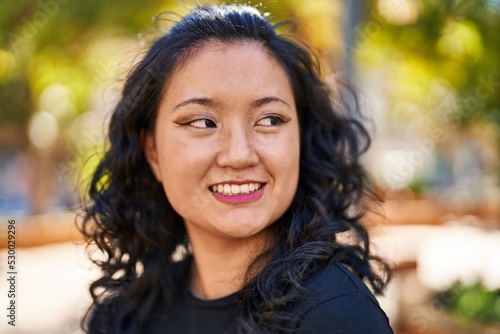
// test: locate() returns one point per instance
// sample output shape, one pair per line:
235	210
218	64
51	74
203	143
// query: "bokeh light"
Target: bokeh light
43	130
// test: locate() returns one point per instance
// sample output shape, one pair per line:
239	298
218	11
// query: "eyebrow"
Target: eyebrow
266	100
212	103
197	100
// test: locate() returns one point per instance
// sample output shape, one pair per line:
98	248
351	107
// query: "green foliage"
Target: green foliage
472	302
454	40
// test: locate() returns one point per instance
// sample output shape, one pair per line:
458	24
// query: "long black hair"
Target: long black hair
129	218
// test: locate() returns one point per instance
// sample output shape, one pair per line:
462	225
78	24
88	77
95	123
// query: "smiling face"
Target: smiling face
226	141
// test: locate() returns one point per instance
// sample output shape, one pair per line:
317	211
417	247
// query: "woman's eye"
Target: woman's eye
202	123
270	121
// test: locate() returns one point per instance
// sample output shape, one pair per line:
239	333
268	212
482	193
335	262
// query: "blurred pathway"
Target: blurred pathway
52	289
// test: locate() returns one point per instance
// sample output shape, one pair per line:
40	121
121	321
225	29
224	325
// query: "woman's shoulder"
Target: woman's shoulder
339	301
334	281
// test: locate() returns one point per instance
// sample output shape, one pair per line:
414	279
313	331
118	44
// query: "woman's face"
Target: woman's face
226	141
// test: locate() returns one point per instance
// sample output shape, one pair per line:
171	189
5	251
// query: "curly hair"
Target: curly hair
130	220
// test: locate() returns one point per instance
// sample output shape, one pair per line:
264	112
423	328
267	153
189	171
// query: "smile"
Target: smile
231	193
236	189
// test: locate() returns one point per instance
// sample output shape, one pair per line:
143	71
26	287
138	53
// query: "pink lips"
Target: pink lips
241	198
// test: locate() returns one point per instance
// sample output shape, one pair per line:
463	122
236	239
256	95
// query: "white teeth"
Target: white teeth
235	189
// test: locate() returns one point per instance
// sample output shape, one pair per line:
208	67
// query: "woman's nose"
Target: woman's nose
238	150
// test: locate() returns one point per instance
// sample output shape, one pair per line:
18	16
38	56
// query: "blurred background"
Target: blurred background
428	73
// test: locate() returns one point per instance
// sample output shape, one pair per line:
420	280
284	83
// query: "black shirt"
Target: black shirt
339	303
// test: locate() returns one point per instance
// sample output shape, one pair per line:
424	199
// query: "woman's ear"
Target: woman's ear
149	147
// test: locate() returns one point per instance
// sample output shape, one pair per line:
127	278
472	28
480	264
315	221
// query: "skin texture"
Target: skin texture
227	116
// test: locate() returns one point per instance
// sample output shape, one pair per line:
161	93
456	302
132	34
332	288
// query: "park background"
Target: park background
428	74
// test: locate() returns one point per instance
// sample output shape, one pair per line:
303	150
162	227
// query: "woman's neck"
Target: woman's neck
220	266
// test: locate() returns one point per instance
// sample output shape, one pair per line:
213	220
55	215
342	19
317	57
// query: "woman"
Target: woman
230	198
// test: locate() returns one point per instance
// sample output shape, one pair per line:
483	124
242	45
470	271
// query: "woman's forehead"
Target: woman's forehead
214	45
226	59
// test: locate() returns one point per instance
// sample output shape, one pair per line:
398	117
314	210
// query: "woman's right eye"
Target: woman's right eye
202	123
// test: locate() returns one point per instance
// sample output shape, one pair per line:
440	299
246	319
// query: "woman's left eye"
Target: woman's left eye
270	121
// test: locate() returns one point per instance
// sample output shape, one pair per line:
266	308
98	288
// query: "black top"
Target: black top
339	303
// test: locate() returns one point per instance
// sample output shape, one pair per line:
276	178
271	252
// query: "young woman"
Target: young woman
230	198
